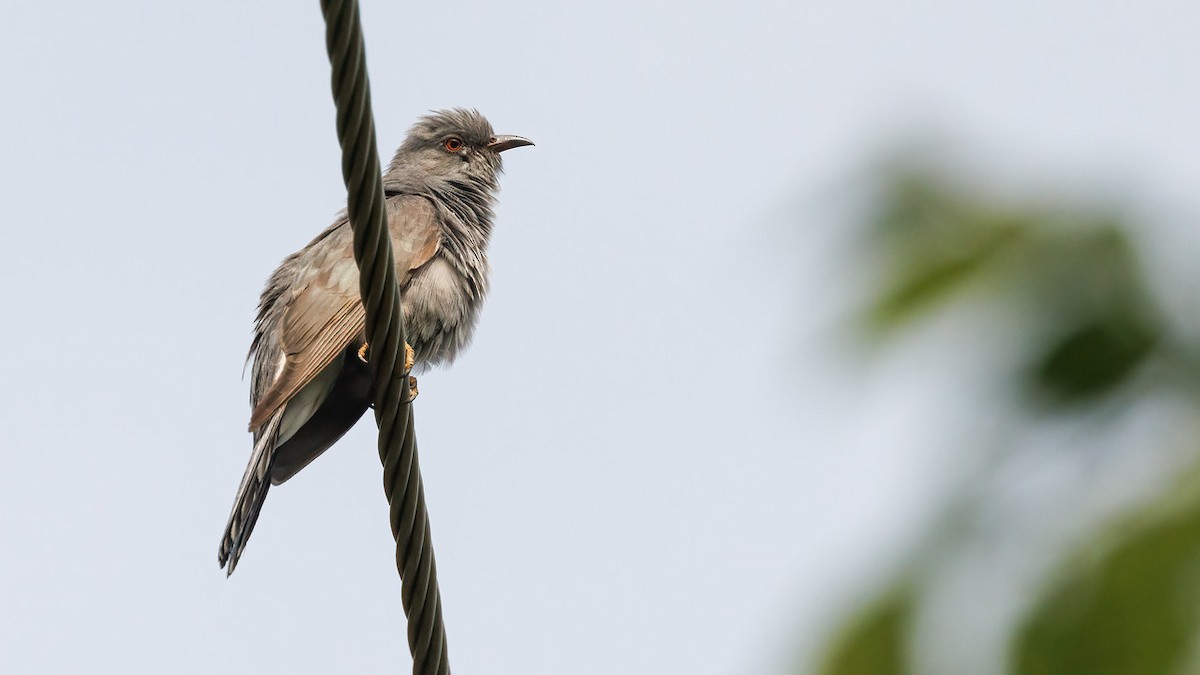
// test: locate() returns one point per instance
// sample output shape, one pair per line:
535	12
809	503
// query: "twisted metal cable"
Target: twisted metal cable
385	333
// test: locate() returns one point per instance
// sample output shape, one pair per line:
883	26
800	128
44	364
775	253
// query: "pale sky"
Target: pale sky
640	466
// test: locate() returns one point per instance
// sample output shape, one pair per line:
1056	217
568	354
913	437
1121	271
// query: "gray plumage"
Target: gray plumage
308	385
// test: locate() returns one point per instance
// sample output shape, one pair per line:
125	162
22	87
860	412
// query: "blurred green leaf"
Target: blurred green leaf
1133	612
1072	273
933	277
1100	320
1094	358
1080	268
934	239
877	642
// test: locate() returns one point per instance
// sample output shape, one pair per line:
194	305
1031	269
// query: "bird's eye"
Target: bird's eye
453	144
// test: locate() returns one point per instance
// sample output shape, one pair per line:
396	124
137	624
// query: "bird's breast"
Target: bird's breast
441	307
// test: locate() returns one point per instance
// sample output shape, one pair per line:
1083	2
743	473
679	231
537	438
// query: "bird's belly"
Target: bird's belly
440	311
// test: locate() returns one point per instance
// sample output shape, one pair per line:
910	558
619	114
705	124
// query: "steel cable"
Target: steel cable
385	333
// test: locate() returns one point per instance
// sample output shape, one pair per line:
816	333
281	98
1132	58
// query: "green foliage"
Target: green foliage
934	241
1086	322
1074	275
876	643
1134	612
1093	358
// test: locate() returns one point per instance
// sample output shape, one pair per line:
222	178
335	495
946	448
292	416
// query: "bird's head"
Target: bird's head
456	145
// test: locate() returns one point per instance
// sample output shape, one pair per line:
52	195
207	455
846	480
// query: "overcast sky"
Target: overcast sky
637	467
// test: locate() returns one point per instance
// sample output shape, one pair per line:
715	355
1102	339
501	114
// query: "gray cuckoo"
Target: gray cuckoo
310	381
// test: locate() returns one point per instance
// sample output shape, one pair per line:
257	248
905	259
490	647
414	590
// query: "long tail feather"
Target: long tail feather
250	495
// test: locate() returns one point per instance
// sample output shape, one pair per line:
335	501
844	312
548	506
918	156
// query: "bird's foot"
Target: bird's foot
410	358
409	361
409	355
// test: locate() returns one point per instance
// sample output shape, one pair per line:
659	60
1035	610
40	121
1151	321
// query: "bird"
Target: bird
310	380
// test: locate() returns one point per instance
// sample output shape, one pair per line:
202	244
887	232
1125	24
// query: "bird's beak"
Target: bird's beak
502	143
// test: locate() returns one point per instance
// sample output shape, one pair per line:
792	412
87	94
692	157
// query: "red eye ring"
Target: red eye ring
452	144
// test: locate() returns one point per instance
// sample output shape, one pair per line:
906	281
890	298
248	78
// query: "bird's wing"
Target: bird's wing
326	314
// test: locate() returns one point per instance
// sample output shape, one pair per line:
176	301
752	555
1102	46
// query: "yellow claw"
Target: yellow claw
409	361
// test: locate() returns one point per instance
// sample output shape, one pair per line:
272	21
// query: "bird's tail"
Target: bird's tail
250	495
